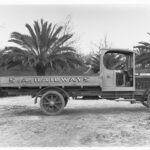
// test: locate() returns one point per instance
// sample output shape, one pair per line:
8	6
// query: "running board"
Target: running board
132	101
122	99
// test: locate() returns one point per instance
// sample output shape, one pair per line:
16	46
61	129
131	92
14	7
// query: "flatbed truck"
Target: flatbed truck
110	83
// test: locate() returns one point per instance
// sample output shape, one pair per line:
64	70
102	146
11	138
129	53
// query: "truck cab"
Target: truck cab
117	70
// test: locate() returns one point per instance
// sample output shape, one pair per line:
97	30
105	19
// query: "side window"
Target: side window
114	61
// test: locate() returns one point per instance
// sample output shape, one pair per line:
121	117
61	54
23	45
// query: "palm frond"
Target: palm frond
57	31
62	40
32	35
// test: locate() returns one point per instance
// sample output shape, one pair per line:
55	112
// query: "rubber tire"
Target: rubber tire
66	101
61	98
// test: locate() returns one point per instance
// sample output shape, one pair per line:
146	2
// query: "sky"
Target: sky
124	25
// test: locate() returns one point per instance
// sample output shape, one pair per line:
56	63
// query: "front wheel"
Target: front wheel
52	103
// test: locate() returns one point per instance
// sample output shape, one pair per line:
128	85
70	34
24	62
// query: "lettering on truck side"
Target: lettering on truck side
38	80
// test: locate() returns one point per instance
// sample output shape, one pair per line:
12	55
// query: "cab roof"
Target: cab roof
119	50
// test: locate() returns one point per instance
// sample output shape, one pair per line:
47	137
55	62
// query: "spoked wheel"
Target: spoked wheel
52	103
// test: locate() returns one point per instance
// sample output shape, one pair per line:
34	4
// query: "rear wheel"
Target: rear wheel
66	101
52	103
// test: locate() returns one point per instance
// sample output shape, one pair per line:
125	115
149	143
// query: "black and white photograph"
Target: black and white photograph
75	75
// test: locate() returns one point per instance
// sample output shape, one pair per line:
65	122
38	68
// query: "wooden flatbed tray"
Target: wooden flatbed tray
39	81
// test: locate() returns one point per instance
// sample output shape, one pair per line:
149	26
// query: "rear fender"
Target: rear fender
42	91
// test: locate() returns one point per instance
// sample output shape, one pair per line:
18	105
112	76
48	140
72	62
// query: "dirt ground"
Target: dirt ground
83	123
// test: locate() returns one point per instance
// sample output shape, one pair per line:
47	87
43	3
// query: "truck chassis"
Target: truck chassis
54	98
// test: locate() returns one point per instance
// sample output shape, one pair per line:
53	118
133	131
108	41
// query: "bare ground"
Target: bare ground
83	123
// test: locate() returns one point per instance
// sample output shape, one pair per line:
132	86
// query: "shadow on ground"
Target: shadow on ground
24	111
108	110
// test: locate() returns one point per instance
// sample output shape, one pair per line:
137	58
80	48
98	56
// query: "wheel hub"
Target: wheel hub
52	103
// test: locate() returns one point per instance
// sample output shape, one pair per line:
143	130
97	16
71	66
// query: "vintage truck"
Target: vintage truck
116	83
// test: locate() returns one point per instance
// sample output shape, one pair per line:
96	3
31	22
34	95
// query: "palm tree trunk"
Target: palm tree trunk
40	70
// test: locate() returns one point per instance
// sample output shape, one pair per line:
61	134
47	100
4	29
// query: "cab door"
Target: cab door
108	79
111	67
108	76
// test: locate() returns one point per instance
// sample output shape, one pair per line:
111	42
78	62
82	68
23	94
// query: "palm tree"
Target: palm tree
143	58
46	47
